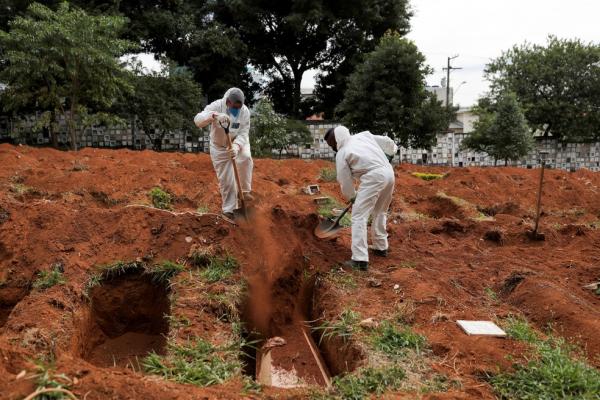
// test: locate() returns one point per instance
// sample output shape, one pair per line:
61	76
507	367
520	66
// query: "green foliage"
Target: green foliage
341	279
286	39
558	85
219	268
343	327
394	342
46	378
427	176
552	373
47	279
328	174
163	271
503	133
386	95
163	101
64	61
160	198
369	381
491	294
326	210
271	131
198	363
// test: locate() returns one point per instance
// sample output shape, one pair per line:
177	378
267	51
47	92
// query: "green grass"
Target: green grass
368	381
408	264
392	341
219	268
21	189
427	176
328	174
163	271
491	294
198	363
554	371
341	279
47	279
343	327
46	378
326	210
160	198
202	209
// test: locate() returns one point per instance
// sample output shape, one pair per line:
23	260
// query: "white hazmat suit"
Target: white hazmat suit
239	131
362	157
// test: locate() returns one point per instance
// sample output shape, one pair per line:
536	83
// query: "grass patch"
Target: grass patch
198	363
328	174
491	294
202	209
427	176
392	341
219	268
404	312
21	189
343	327
341	279
46	378
160	198
163	271
47	279
554	371
369	381
408	264
326	210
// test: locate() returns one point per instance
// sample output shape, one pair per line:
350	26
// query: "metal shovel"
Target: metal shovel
328	228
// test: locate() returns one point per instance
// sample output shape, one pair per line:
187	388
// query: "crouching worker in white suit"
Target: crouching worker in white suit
365	157
230	109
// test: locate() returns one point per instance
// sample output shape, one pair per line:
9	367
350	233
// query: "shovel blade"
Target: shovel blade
327	229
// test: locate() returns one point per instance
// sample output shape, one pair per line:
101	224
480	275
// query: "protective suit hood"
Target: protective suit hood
342	136
238	95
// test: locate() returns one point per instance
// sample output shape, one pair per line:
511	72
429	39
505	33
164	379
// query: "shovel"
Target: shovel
236	173
328	228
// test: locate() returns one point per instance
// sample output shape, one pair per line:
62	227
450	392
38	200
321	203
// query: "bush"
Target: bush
393	342
160	198
47	279
427	176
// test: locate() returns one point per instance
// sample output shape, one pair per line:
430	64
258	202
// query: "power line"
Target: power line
449	69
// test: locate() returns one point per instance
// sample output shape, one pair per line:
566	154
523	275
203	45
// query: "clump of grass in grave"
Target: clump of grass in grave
427	176
46	379
438	383
163	271
557	226
178	321
47	279
408	264
491	294
365	382
404	312
480	217
160	198
118	268
328	174
21	189
414	216
250	386
555	370
198	363
456	200
341	279
343	327
228	303
390	340
326	211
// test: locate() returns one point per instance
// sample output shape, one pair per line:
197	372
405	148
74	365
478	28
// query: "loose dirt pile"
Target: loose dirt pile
458	251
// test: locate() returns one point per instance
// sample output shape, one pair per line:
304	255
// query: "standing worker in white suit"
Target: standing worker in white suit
365	157
230	109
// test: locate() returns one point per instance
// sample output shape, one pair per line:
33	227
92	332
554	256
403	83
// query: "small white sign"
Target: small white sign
484	328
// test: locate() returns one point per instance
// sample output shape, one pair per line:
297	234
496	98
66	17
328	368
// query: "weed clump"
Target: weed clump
552	373
214	267
394	342
199	363
427	176
369	381
47	279
326	210
343	327
328	174
160	198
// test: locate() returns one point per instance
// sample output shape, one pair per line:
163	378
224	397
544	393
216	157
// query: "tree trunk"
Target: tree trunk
53	133
506	162
495	162
72	134
297	93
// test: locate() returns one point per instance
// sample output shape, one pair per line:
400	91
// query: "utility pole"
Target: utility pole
449	69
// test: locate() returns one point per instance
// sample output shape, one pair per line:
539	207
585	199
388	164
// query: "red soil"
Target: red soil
77	212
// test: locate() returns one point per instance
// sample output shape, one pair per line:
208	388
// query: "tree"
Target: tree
272	131
287	38
163	101
386	95
557	84
66	62
501	131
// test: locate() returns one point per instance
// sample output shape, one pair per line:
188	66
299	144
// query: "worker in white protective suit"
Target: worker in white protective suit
230	109
365	157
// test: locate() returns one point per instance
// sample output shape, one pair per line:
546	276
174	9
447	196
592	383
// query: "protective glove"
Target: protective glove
222	119
234	151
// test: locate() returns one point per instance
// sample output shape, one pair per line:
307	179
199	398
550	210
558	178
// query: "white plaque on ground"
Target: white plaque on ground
483	328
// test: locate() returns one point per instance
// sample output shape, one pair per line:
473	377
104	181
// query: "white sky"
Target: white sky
478	30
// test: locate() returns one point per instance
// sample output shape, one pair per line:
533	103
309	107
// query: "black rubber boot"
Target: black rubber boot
380	253
360	265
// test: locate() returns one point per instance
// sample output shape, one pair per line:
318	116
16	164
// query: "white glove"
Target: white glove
234	151
222	119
